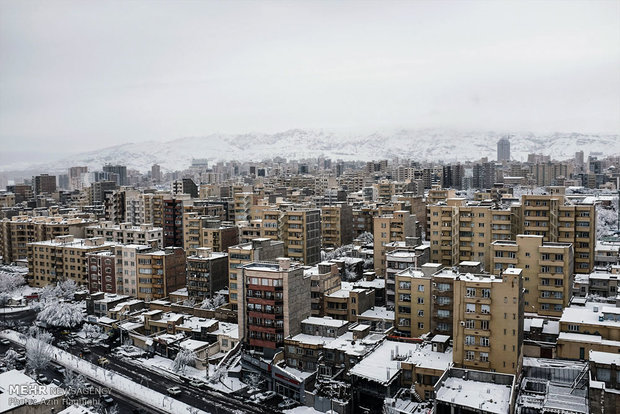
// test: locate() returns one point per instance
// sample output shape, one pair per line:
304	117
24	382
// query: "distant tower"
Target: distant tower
503	149
156	173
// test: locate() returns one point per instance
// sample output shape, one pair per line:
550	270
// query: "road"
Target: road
202	398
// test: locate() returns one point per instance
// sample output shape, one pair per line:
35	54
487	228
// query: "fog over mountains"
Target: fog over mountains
430	144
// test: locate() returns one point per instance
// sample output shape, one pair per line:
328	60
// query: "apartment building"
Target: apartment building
363	219
553	218
16	233
126	233
547	271
44	184
300	231
488	307
586	327
126	267
324	280
348	304
101	272
274	299
391	228
206	231
461	231
398	259
160	272
62	258
243	202
412	310
336	225
258	250
207	273
164	210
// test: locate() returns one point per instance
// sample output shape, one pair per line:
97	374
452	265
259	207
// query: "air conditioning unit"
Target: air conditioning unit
434	284
462	323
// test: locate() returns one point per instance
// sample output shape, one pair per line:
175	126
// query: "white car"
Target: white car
173	390
287	403
196	383
264	396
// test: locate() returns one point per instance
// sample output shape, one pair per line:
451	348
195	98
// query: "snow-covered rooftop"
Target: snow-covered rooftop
478	395
606	358
311	339
193	344
378	312
325	321
383	364
9	400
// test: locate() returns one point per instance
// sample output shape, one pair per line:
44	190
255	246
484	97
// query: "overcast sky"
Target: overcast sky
89	74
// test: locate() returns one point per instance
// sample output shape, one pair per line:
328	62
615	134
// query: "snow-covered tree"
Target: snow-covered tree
61	314
38	350
365	237
10	281
61	291
189	302
254	380
184	358
92	331
10	359
74	381
213	303
606	221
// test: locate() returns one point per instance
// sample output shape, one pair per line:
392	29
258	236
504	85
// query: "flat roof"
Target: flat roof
478	395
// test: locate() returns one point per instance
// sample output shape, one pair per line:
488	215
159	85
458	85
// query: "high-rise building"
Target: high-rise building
156	173
101	271
207	273
76	177
503	149
206	231
391	228
44	184
257	250
120	171
337	225
273	300
488	308
185	186
547	271
126	233
300	231
160	272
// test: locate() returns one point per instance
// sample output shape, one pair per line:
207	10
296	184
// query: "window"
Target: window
469	355
420	325
470	308
471	292
573	328
420	288
486	293
420	300
470	340
485	309
484	341
484	325
484	357
470	324
420	313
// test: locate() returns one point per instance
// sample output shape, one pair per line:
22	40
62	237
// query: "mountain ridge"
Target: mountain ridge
423	144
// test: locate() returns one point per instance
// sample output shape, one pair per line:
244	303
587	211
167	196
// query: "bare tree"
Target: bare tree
184	358
38	350
213	303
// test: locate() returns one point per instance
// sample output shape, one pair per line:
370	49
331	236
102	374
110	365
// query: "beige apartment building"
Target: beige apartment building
126	267
547	271
258	250
16	233
301	233
413	311
390	228
126	233
488	308
348	304
63	258
336	225
160	272
206	231
553	218
243	202
461	231
274	298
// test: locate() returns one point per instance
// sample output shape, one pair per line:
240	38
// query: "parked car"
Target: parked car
5	342
174	390
107	399
42	378
265	396
103	361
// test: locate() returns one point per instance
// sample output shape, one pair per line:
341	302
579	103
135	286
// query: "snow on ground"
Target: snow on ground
114	381
302	410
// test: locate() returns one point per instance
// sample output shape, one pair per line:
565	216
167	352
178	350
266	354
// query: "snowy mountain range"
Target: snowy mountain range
299	144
